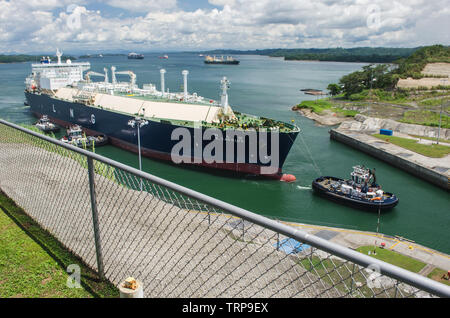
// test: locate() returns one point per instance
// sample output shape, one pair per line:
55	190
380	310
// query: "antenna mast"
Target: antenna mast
58	55
225	85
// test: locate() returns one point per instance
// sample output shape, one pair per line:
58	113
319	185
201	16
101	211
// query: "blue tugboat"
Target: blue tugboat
361	191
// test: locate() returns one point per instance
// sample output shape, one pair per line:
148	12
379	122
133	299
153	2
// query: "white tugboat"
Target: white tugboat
45	125
77	137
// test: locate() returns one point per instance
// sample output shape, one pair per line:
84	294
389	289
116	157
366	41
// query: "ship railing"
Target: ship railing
124	222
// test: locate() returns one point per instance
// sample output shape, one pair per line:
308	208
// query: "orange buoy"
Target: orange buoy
288	177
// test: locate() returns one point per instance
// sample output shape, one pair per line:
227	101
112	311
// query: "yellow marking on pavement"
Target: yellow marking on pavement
319	227
414	246
394	245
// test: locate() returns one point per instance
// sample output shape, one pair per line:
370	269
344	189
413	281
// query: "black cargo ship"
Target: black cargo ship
220	60
110	114
135	56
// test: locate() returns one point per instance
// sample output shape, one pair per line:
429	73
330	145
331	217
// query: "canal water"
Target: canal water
270	87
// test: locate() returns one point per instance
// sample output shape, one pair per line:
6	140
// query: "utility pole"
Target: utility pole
440	114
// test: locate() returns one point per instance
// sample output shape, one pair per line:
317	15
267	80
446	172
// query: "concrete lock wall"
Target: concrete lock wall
418	170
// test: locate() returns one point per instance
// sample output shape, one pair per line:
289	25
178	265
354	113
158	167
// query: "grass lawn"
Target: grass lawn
436	274
426	118
33	263
430	138
317	106
434	102
433	151
320	105
393	258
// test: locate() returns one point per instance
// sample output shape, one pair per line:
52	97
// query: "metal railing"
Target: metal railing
179	242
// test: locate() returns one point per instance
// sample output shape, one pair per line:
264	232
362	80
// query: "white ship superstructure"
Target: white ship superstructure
52	76
65	80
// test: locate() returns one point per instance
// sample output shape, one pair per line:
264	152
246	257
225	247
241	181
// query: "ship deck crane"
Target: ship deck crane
129	73
88	75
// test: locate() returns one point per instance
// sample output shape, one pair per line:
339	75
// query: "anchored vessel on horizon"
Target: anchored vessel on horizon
135	56
220	60
60	91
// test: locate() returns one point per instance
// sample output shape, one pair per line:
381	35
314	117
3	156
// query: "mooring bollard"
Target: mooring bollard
131	288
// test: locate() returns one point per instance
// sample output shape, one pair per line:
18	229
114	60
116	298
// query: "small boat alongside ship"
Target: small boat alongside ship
45	125
361	191
75	136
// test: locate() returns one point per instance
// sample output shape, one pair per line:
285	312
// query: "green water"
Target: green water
269	87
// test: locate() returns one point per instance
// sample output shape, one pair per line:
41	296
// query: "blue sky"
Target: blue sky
85	26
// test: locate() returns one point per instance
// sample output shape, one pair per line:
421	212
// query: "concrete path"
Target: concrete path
354	239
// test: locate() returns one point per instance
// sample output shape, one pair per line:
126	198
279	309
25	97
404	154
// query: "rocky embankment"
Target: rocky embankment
363	123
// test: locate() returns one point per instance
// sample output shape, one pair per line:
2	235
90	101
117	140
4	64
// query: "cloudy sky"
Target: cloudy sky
77	26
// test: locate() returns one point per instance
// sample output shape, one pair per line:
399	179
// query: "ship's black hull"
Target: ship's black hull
156	141
357	203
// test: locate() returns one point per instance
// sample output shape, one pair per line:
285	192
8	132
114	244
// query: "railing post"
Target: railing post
98	248
351	280
396	289
278	238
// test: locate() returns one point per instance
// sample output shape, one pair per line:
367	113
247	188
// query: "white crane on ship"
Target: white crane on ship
88	75
129	73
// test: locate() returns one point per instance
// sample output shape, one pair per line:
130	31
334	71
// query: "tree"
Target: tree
371	76
334	89
353	83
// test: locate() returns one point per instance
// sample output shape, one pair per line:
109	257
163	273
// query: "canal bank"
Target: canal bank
355	239
434	170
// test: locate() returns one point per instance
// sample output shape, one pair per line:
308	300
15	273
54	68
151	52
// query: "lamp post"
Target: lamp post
138	122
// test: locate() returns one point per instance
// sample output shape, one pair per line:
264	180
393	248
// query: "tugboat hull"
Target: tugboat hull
49	130
349	200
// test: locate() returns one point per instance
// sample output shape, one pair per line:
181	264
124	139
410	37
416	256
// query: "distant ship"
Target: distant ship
164	56
135	56
220	60
112	108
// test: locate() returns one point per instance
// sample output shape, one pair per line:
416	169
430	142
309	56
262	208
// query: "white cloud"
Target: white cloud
222	2
242	24
143	5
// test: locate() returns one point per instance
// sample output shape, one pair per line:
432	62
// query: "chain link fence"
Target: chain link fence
122	222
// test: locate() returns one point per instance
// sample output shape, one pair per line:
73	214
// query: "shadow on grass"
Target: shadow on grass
90	280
